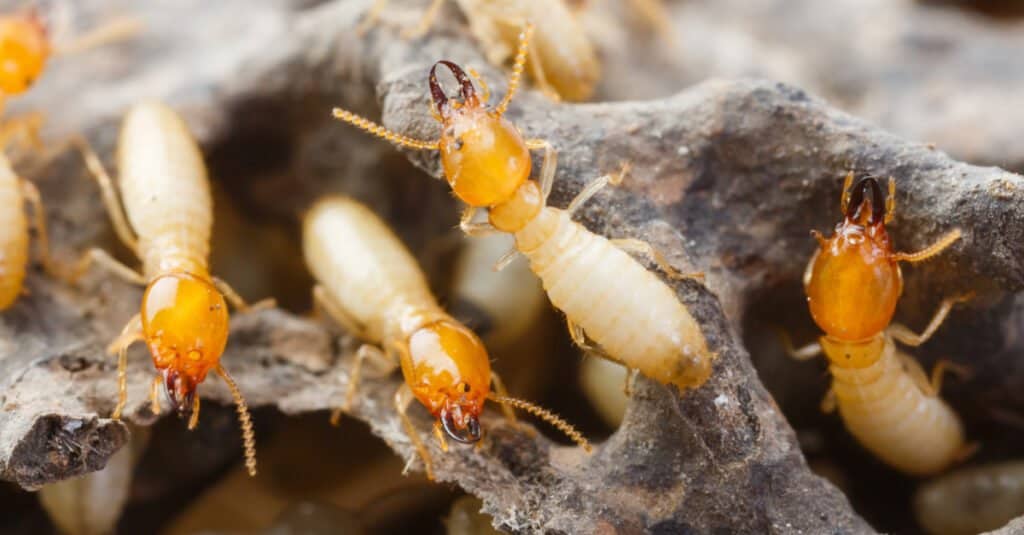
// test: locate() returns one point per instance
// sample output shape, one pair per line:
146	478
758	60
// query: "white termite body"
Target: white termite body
971	500
14	237
165	191
633	316
890	415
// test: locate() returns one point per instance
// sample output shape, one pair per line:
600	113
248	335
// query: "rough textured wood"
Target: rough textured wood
728	177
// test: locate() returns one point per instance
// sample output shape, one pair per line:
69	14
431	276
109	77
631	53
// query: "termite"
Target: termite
24	51
971	500
370	284
606	295
563	65
164	216
884	397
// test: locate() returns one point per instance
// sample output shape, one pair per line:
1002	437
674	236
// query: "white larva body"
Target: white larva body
363	265
14	236
165	191
885	409
971	500
563	50
626	309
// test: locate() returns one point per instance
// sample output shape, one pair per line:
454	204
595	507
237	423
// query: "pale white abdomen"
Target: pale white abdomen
364	267
634	316
165	190
889	415
13	235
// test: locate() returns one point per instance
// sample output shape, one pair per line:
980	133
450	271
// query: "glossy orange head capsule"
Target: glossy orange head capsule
854	281
185	325
24	49
484	157
450	373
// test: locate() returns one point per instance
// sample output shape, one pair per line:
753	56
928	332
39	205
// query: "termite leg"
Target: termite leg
579	337
113	31
154	395
403	397
916	373
829	402
426	21
39	221
193	419
930	251
595	186
441	441
324	302
365	351
110	198
25	126
648	251
806	352
131	333
499	387
630	379
370	19
540	77
472	228
107	262
910	338
548	166
238	302
506	259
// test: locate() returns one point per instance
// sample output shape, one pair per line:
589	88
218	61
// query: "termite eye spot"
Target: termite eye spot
458	143
464	387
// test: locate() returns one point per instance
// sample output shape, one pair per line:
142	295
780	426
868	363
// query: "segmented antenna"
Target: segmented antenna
248	435
517	69
381	132
546	415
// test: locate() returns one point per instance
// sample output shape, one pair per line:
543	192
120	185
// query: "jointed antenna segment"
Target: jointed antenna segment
382	132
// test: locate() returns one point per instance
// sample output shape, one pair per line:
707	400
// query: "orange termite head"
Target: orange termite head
854	282
450	373
484	157
185	324
24	49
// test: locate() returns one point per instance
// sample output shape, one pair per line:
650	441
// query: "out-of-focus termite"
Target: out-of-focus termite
971	500
24	50
166	221
14	232
884	396
606	294
563	62
371	285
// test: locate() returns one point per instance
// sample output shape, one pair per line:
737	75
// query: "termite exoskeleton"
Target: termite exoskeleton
563	62
971	500
607	295
371	285
166	221
884	397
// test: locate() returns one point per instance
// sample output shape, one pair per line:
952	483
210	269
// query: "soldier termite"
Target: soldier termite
971	500
884	397
606	294
563	63
371	285
166	221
